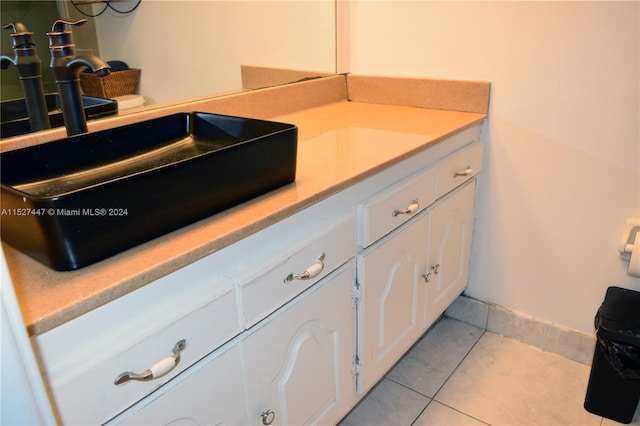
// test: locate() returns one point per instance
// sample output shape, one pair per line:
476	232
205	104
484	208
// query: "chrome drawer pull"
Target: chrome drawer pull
413	207
465	172
158	369
311	272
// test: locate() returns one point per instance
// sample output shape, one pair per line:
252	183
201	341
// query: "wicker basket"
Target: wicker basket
117	83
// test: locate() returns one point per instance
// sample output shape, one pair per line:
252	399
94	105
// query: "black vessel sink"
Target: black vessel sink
15	121
78	200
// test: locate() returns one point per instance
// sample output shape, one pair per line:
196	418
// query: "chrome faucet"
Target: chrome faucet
29	68
66	69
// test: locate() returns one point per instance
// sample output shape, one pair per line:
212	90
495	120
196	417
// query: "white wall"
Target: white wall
195	48
563	139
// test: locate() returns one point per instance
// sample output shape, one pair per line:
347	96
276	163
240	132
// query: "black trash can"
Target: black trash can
614	383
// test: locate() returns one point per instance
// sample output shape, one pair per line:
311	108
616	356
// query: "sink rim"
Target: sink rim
189	137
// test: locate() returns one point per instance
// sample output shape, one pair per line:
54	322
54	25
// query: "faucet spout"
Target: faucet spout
66	69
95	65
5	61
29	68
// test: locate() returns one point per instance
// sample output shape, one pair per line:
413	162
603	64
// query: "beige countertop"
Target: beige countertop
341	142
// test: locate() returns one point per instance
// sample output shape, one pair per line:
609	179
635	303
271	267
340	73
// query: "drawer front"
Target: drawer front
307	261
395	205
459	168
88	393
209	393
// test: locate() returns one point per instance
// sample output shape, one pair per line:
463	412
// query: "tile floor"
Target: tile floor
458	374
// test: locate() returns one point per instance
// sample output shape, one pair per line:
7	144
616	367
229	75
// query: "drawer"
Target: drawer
209	393
458	168
104	345
304	262
390	208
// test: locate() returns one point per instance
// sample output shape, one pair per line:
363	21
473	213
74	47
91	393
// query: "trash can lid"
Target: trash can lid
620	316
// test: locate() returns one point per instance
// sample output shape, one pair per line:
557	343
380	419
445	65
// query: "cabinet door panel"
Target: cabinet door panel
312	355
390	280
299	363
450	248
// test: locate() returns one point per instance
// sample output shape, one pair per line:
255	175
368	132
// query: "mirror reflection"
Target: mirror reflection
183	50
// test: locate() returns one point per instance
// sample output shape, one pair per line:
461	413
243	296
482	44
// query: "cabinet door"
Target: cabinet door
450	246
390	281
210	393
298	365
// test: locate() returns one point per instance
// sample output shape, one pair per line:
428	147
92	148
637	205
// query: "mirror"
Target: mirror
188	49
38	17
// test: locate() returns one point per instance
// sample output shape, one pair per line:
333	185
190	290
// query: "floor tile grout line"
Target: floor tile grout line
435	394
414	391
458	364
405	386
461	412
433	398
422	411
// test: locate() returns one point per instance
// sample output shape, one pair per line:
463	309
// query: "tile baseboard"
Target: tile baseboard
515	325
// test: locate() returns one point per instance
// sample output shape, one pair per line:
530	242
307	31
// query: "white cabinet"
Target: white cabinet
447	267
283	327
210	393
390	279
407	279
298	364
289	366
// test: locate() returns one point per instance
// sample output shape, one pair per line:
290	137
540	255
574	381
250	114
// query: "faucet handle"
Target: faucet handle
17	27
21	36
58	26
61	39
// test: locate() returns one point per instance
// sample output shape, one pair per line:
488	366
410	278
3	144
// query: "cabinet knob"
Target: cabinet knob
311	272
158	369
435	269
268	417
411	209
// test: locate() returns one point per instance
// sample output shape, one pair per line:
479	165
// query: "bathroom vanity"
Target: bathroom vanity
286	309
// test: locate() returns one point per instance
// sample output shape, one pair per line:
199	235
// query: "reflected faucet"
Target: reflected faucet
66	69
29	68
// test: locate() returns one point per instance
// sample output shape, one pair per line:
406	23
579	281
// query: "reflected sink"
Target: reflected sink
15	121
75	201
